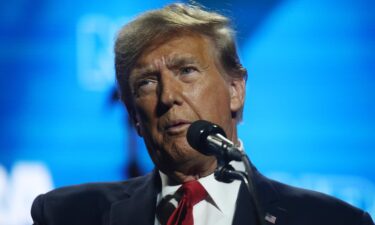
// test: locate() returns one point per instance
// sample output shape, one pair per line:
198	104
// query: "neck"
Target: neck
194	173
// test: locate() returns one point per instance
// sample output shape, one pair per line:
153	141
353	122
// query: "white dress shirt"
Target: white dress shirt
217	208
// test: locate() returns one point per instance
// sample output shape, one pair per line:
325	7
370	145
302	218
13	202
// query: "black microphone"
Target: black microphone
210	139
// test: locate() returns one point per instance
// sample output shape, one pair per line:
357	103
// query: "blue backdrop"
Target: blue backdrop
309	115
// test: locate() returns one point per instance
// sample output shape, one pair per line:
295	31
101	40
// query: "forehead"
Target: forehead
193	47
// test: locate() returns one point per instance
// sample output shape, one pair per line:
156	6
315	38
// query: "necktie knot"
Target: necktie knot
193	191
189	194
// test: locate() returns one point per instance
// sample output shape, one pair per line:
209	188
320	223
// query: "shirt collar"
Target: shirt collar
222	195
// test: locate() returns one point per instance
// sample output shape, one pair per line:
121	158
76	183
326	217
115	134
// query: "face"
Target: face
173	84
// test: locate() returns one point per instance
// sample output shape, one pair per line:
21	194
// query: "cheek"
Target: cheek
211	101
218	95
145	108
145	115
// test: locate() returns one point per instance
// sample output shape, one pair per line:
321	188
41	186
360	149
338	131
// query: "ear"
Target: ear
137	125
138	129
237	94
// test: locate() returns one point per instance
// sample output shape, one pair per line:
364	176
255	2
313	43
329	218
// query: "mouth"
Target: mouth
176	127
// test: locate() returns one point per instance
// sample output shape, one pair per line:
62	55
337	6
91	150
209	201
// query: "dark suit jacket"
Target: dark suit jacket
133	203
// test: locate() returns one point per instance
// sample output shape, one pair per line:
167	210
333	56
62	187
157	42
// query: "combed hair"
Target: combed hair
164	23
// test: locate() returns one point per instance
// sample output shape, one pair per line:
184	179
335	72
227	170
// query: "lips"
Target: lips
175	127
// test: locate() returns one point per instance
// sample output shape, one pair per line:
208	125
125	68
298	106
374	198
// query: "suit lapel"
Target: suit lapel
139	207
244	214
269	200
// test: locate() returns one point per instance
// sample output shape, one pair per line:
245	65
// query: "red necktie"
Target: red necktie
193	192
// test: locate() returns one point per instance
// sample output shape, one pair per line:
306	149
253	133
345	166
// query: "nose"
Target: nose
170	90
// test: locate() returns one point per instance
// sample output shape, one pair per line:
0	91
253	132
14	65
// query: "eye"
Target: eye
143	82
187	70
144	86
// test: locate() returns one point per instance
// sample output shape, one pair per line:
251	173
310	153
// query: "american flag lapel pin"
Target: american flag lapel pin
270	218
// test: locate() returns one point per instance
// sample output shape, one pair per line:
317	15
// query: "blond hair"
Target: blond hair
163	23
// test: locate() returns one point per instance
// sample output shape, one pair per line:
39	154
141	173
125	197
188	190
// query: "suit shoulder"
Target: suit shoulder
89	201
296	194
312	204
88	190
110	191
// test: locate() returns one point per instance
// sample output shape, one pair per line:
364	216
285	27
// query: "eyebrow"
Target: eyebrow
180	61
171	62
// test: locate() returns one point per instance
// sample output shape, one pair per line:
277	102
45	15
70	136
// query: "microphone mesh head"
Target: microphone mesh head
198	132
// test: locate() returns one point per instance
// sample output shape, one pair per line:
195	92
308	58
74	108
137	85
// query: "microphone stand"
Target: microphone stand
226	173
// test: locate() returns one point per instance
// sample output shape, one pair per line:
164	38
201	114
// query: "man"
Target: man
174	66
